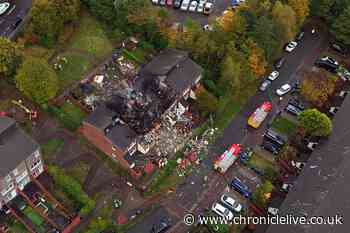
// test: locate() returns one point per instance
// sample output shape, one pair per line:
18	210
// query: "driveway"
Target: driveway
18	8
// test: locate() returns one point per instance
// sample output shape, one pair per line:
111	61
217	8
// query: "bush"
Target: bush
72	189
68	115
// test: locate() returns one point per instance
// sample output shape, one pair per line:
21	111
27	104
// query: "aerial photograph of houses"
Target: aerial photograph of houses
174	116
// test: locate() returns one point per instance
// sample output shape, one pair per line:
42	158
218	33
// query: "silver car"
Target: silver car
264	85
231	203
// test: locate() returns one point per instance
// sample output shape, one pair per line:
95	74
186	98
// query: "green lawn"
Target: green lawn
52	147
34	217
260	162
226	112
17	227
79	171
284	126
91	38
69	115
74	70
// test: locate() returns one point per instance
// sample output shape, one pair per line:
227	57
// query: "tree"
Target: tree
207	102
301	8
318	87
67	10
341	27
321	8
10	57
230	78
262	194
315	123
46	21
285	16
257	61
37	80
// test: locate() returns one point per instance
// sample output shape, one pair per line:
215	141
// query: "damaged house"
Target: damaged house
118	125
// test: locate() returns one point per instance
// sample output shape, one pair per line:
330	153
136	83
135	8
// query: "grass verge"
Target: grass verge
284	126
52	147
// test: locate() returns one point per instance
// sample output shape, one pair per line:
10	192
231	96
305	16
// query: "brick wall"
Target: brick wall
98	138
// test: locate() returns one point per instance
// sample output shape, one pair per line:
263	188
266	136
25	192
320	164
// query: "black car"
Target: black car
162	227
295	102
326	65
279	63
274	137
271	147
177	3
293	110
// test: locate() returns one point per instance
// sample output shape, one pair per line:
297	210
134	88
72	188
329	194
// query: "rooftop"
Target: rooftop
15	145
323	189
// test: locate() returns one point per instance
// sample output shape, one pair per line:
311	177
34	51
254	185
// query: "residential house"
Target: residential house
20	159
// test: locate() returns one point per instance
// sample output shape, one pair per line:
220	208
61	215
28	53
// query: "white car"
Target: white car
193	6
273	76
207	27
222	211
4	6
330	60
185	4
200	7
291	46
284	89
231	203
208	8
272	211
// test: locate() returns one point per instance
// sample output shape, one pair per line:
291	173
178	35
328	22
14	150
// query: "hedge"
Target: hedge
72	189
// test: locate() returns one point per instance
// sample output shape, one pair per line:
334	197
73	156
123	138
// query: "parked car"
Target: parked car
193	6
338	48
300	36
293	110
295	102
185	4
284	89
327	65
162	227
271	147
273	136
155	2
169	2
177	4
330	60
162	2
245	155
208	8
243	189
297	165
286	187
4	6
272	211
222	211
291	46
200	7
274	75
279	63
207	27
265	85
333	110
231	203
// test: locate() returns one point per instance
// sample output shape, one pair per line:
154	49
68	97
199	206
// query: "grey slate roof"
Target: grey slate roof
120	135
323	187
15	145
180	71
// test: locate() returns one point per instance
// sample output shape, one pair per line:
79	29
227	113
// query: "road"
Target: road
18	8
198	193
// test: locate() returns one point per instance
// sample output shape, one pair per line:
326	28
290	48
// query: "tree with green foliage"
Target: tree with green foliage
262	194
284	15
341	27
321	8
68	10
37	80
301	9
207	102
230	78
315	123
11	55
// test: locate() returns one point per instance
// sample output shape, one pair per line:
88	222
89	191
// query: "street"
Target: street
18	8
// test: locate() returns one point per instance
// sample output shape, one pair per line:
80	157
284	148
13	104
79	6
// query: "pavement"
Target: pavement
18	8
204	186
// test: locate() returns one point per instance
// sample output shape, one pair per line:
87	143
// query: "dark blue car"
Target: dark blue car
241	188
